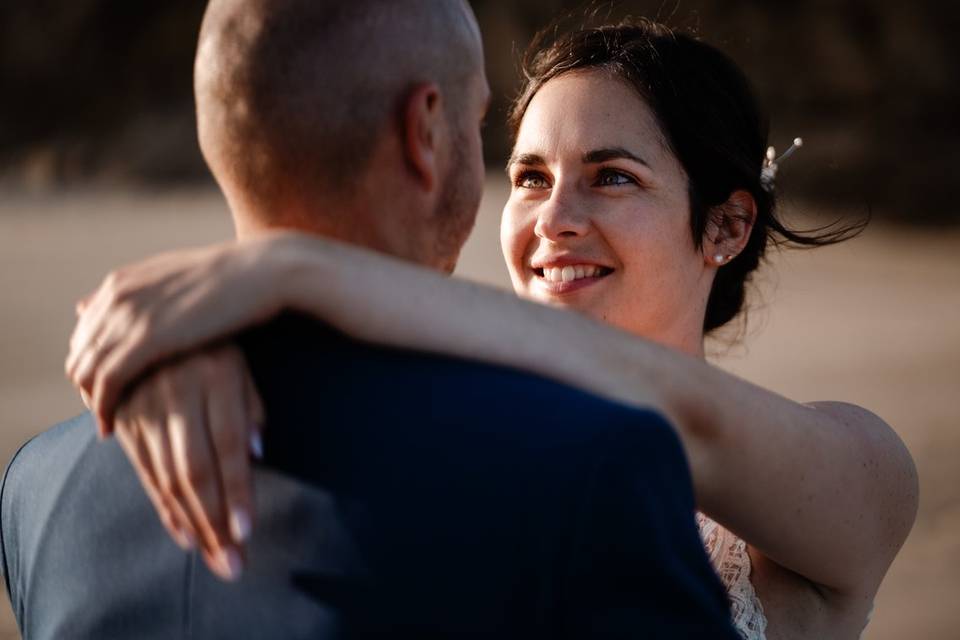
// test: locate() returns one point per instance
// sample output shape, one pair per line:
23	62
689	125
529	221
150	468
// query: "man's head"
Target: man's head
358	120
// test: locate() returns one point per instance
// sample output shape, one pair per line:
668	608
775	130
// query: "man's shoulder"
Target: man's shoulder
50	451
82	547
373	398
40	462
38	465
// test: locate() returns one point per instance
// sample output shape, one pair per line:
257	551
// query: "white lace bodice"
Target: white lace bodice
728	555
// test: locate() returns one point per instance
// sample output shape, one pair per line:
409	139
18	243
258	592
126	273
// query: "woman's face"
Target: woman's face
598	218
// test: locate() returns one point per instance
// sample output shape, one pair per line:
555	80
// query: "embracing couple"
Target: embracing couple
341	441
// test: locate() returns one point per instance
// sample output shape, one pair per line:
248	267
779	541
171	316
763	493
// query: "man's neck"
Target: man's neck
351	223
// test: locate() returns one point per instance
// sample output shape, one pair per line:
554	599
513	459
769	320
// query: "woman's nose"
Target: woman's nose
562	217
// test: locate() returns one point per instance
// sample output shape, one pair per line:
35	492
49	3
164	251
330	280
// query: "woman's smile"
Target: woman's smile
598	215
564	274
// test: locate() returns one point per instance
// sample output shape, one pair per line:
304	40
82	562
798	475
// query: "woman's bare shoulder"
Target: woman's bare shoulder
887	461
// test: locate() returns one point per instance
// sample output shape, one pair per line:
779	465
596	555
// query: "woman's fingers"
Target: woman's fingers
80	337
84	302
82	350
137	451
255	410
134	425
117	317
85	365
86	399
189	443
229	434
155	441
110	375
90	322
197	478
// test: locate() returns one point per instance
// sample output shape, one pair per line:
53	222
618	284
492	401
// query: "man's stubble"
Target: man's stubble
458	203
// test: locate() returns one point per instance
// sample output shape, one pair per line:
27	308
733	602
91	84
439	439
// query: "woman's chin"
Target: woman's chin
578	298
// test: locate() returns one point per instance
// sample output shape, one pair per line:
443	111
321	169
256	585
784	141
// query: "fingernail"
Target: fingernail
186	540
256	445
231	563
239	525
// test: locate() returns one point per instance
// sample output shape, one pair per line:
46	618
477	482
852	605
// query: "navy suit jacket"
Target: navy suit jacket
401	495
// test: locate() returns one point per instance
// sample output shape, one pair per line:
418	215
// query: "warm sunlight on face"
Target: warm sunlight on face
598	218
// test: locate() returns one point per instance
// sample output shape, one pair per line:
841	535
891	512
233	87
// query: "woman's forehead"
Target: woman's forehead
584	110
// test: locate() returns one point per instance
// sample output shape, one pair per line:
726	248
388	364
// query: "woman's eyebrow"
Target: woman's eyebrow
591	157
525	158
611	153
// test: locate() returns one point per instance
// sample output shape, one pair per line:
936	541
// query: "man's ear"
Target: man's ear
424	125
729	227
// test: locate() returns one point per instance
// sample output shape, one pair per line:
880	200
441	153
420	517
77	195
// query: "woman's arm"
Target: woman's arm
825	490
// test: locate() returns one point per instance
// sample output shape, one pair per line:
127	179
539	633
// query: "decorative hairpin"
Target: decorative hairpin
768	175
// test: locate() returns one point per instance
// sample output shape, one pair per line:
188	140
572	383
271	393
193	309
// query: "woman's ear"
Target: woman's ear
729	227
423	130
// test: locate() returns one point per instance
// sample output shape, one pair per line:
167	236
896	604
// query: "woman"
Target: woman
639	199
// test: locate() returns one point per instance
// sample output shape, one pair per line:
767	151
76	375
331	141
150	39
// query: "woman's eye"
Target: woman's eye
532	180
610	178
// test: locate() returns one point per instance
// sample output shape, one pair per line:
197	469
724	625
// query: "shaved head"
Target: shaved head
293	95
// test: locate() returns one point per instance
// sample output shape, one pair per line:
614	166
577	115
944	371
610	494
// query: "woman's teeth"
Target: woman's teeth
570	272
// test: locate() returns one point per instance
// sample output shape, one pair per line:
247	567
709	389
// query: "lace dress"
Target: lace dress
728	555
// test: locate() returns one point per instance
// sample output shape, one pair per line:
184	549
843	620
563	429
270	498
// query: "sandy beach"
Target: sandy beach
875	321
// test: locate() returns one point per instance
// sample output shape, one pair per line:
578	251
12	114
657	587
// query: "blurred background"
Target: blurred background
99	165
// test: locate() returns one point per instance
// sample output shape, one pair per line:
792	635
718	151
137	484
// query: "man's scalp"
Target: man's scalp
294	94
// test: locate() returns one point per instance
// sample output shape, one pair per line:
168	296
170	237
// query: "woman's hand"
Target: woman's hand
189	430
164	306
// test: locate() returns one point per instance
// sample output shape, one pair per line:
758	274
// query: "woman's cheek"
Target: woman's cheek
515	238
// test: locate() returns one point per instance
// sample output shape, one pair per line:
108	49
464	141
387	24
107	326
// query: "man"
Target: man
401	494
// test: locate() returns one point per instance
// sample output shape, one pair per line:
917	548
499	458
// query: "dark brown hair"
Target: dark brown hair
710	119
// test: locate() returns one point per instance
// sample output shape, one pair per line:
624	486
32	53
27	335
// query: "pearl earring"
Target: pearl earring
718	259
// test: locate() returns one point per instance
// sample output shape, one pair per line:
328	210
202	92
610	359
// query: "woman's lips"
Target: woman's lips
569	277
